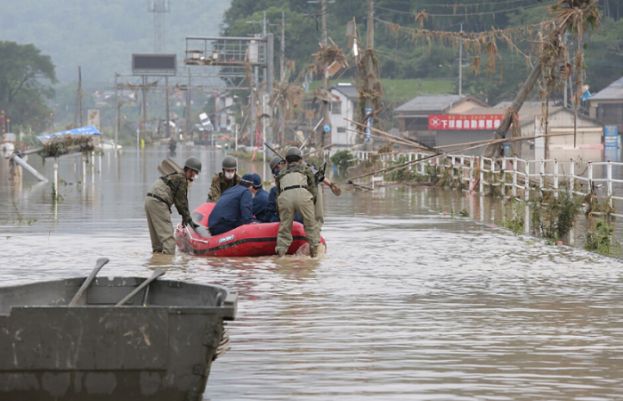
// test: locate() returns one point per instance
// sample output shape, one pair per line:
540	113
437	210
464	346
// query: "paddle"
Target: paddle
86	283
144	284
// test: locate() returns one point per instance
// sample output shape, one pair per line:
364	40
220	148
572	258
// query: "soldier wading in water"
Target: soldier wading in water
297	191
168	190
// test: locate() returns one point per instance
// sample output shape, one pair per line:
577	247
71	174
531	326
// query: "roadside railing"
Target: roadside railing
512	176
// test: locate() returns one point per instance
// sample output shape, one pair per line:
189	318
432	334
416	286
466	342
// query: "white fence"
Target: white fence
516	177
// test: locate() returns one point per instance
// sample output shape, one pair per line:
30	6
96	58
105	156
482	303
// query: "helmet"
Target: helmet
193	163
230	162
274	162
293	154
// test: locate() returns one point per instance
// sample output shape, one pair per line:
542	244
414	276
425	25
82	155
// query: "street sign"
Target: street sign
611	136
154	64
464	122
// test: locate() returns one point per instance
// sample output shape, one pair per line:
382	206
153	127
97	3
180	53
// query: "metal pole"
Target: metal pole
144	107
556	178
526	191
571	176
270	62
166	107
116	113
189	105
55	183
609	182
461	63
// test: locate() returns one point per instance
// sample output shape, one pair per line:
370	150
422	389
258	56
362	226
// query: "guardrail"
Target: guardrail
512	176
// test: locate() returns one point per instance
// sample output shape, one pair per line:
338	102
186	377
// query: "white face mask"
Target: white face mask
229	175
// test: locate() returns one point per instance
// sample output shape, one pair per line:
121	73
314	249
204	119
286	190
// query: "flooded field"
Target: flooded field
407	304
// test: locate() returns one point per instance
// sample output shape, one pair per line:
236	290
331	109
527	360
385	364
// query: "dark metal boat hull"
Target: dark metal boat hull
100	352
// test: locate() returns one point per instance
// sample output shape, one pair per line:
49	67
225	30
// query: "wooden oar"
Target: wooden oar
138	289
87	282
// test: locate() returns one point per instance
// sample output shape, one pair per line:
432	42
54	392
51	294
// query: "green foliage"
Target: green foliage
403	59
516	221
554	217
342	160
25	76
600	238
401	174
604	54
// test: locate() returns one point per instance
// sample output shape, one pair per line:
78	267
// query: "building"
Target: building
442	120
413	117
585	142
343	111
606	106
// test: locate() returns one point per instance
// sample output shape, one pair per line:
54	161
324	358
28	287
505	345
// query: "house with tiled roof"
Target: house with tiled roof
606	106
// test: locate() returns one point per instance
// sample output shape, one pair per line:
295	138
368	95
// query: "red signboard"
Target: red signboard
464	122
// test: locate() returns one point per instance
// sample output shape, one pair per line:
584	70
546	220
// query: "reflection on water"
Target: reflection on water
410	302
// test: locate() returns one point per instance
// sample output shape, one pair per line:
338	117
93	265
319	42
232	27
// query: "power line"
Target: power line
475	5
470	14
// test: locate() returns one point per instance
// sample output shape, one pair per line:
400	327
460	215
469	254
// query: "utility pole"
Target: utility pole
143	107
78	116
189	100
167	129
325	78
159	8
370	25
369	107
116	112
282	78
461	63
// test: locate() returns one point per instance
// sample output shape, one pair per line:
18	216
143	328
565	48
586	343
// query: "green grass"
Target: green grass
401	90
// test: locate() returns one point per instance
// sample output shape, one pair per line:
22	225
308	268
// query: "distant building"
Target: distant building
588	134
439	120
343	109
606	106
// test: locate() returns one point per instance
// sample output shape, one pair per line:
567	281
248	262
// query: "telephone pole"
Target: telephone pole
78	115
117	116
282	78
369	108
325	77
461	63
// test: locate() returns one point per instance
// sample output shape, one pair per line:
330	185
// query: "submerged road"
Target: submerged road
408	303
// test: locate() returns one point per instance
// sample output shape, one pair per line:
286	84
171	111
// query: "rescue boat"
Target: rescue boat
256	239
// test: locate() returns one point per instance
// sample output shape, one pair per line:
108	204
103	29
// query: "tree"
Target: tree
25	78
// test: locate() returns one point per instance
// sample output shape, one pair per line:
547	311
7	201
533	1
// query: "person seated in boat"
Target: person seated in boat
168	190
234	208
224	180
298	190
260	200
272	214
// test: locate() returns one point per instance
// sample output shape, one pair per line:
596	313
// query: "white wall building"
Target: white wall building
343	108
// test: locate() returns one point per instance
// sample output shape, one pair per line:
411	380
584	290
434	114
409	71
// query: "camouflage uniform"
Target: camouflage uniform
168	190
220	184
297	191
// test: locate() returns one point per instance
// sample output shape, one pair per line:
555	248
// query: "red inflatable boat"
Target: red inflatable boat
257	239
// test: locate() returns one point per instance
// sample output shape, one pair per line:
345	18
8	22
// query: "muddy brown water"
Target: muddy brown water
409	303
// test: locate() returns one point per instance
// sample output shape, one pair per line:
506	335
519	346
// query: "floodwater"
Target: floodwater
409	303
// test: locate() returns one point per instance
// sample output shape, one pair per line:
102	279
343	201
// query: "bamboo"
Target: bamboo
387	134
488	143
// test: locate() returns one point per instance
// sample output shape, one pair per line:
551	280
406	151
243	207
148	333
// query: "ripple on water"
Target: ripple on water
406	304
